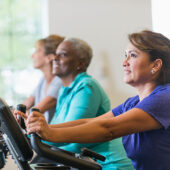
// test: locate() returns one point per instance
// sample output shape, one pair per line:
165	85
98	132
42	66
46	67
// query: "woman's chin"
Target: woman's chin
54	72
127	81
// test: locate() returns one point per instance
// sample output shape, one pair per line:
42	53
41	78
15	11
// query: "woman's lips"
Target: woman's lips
55	64
127	71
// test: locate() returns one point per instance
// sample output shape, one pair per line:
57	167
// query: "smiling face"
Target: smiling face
66	62
137	66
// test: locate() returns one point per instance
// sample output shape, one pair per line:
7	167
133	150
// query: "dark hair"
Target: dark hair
158	47
51	43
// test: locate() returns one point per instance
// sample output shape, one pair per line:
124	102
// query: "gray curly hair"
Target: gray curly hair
82	48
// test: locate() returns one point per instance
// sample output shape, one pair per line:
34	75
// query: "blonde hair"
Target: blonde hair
51	43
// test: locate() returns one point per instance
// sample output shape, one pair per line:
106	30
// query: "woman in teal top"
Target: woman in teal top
82	97
74	102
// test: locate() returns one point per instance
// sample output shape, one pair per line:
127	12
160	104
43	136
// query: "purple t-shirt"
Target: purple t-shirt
150	150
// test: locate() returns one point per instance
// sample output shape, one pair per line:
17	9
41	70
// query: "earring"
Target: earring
153	71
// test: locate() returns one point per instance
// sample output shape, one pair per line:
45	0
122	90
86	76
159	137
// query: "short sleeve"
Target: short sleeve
38	88
117	110
127	105
84	104
54	87
34	91
158	106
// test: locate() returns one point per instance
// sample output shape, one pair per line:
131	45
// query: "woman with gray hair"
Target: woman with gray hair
81	97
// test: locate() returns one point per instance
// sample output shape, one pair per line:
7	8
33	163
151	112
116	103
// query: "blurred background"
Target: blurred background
104	24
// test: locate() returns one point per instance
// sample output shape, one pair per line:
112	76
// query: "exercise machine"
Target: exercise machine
22	149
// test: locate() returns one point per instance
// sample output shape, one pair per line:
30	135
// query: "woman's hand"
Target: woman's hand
36	123
17	114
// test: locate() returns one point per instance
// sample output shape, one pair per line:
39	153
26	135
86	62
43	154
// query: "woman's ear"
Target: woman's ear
157	65
82	65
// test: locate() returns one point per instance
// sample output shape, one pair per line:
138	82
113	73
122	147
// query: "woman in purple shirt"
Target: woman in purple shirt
143	120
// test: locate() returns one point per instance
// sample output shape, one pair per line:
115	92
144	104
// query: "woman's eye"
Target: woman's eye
133	55
62	55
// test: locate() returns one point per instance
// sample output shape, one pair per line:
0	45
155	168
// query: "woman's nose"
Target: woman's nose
55	57
126	62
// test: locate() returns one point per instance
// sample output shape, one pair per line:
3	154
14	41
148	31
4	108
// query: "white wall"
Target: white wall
104	24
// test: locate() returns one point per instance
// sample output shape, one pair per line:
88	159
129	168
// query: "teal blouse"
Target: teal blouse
85	98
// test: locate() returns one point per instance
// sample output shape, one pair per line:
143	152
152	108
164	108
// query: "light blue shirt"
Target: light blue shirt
40	93
85	98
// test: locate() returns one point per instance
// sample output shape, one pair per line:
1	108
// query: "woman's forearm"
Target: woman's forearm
90	132
29	102
82	121
71	123
79	131
47	103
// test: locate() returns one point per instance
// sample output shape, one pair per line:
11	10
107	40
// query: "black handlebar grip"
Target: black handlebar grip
34	109
34	137
22	108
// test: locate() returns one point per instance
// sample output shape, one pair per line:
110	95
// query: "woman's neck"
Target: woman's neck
145	90
68	80
48	75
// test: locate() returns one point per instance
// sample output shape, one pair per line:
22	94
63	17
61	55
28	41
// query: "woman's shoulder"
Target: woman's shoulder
56	83
57	80
159	98
89	83
131	102
161	90
41	82
88	80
